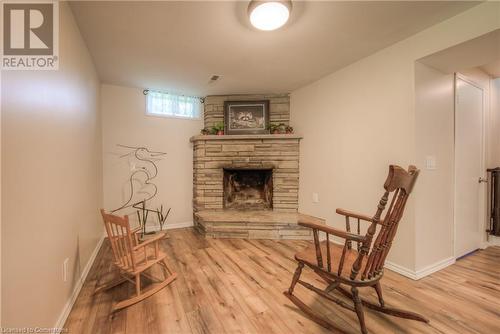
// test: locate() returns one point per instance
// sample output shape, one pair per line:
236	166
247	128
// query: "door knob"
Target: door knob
482	180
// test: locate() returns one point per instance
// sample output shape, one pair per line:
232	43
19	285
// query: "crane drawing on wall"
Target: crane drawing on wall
143	170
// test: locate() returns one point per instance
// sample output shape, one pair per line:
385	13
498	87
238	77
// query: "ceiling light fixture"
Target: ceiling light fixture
269	15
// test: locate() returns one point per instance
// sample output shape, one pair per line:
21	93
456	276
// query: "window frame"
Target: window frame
163	115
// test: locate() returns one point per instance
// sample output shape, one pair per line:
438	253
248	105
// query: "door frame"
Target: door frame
482	194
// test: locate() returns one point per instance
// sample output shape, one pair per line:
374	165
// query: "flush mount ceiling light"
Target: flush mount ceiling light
269	15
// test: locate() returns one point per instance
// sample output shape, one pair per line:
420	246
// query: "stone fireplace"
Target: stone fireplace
248	189
216	156
247	186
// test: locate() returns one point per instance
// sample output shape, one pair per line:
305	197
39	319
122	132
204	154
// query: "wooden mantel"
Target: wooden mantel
244	137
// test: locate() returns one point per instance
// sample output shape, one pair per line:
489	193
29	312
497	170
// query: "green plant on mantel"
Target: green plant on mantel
218	129
275	128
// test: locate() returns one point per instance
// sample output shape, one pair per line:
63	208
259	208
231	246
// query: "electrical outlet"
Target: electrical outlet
315	198
65	269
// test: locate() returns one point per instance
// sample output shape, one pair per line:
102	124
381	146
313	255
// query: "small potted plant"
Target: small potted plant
273	129
218	129
281	128
289	129
205	131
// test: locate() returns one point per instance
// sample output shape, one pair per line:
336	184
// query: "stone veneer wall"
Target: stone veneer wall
212	154
279	107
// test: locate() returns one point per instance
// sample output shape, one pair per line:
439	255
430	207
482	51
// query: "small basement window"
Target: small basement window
171	105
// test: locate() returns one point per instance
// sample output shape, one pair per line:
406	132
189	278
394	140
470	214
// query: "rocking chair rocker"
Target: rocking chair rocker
356	268
132	259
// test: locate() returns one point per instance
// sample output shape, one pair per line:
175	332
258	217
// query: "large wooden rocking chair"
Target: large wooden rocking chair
363	267
133	258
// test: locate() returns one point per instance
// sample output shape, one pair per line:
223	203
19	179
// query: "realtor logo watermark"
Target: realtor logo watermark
30	32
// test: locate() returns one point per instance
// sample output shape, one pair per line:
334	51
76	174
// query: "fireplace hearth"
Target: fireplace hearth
248	189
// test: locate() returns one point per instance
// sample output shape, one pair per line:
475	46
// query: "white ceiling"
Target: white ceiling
483	51
178	46
493	69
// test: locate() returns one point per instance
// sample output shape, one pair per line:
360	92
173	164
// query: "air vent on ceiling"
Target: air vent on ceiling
214	78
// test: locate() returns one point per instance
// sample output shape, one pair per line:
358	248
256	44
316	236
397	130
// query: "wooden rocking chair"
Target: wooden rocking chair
363	267
132	259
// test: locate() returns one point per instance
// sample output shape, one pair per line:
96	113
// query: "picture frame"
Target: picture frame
246	117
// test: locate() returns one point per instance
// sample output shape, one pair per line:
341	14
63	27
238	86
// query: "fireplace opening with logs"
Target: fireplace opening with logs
248	189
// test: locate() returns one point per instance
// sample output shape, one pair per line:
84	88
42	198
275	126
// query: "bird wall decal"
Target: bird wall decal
143	170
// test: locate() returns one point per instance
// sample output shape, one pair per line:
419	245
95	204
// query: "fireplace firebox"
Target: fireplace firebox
248	189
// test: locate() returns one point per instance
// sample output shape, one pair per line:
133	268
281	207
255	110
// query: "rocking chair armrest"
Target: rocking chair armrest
333	231
135	230
154	239
359	216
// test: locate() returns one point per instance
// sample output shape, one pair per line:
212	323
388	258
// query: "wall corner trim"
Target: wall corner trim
169	226
76	291
421	273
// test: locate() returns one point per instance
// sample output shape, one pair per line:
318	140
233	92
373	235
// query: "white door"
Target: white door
468	166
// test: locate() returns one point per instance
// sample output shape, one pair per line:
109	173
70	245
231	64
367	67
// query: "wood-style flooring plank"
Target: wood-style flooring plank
236	286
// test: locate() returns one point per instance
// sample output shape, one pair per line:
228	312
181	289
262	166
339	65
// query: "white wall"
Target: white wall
125	122
51	189
358	120
434	124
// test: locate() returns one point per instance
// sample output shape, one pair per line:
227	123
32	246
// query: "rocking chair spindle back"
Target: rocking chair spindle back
362	267
133	259
119	234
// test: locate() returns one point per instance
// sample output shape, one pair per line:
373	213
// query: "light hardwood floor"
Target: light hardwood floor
235	286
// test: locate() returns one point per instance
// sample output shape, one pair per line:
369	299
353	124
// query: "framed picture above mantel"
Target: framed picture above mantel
246	117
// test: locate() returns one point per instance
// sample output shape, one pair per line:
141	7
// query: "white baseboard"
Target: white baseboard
168	226
435	267
179	225
76	291
401	270
421	273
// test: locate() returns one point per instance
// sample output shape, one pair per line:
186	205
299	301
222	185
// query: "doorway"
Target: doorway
469	166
